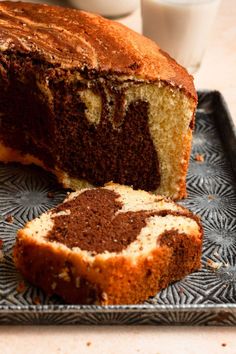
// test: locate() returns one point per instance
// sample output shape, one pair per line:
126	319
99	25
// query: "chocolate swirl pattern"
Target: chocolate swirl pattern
93	101
205	297
109	245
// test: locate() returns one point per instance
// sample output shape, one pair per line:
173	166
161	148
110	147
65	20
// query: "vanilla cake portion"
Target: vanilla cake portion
92	101
109	245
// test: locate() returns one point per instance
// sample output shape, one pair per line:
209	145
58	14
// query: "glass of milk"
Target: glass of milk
180	27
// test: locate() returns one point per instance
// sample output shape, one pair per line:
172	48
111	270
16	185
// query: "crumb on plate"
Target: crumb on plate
199	158
9	218
21	287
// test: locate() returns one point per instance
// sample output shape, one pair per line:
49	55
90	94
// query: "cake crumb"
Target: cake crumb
213	265
21	286
50	195
199	158
1	256
36	300
226	264
1	252
9	218
211	197
181	290
88	344
54	285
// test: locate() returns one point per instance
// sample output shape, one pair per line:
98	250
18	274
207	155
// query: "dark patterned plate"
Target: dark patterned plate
207	297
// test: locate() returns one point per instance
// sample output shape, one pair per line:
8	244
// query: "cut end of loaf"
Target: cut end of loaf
147	145
109	108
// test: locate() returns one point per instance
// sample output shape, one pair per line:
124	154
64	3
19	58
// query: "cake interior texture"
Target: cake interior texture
138	143
109	245
86	124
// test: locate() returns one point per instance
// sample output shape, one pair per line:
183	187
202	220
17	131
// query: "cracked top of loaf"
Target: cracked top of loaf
73	39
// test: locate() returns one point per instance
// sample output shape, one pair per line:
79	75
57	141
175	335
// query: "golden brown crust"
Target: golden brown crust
184	166
116	281
78	40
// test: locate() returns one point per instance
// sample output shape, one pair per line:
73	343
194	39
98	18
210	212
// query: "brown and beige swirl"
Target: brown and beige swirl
109	245
92	101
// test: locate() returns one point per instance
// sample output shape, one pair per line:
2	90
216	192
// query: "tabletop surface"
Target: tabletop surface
218	72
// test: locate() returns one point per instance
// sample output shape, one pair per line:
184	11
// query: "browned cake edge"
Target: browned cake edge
116	281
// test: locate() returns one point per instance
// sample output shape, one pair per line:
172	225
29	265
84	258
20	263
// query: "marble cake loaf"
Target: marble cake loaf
109	245
92	101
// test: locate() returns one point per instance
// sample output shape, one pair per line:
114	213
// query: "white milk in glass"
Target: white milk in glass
180	27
